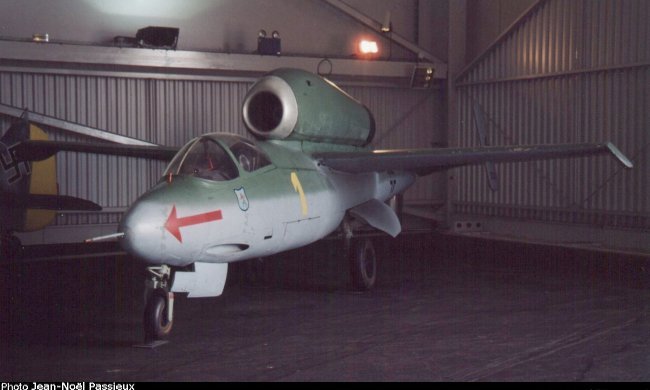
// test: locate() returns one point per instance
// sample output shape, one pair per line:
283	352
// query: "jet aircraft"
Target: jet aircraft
224	198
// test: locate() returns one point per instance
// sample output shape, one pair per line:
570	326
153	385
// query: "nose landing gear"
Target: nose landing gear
197	280
159	306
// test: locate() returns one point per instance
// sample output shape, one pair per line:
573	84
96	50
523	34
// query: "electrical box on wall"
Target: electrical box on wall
157	37
150	37
269	45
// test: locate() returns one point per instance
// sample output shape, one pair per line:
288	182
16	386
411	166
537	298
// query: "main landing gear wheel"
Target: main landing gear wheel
363	265
159	305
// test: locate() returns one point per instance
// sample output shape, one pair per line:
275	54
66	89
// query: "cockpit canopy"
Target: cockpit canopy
217	157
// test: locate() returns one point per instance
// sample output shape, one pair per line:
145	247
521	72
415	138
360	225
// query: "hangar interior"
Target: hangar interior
543	71
544	279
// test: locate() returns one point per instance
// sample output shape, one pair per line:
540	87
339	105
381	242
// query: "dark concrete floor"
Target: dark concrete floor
445	309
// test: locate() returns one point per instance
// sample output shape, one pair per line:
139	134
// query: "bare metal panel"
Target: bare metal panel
572	71
72	57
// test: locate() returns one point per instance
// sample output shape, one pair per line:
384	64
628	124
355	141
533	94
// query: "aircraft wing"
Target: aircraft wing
425	161
31	150
48	202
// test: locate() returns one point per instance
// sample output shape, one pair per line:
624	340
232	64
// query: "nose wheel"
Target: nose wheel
159	305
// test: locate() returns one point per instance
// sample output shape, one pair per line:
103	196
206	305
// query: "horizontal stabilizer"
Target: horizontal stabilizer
49	202
425	161
378	215
40	150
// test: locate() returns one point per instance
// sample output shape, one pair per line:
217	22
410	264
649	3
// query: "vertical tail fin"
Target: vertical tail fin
21	179
42	181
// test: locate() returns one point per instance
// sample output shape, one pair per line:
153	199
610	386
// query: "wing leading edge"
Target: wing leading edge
31	150
48	202
425	161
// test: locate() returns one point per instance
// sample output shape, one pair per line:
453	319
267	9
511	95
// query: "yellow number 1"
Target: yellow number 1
298	188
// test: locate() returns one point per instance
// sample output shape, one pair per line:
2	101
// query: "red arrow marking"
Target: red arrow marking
174	224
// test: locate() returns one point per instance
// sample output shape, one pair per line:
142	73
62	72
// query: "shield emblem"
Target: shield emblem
242	200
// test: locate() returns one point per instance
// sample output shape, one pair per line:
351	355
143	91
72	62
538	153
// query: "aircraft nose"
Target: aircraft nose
143	226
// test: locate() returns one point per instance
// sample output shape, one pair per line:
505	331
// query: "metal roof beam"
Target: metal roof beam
108	58
398	39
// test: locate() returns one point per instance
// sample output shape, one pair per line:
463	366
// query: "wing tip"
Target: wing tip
616	152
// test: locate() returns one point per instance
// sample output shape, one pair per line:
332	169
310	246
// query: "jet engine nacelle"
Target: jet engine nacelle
293	104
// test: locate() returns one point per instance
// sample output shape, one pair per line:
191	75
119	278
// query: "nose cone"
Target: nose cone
143	226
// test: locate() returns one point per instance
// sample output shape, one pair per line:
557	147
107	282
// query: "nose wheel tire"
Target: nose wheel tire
363	265
157	324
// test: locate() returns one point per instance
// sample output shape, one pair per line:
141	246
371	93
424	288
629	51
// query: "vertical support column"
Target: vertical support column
456	62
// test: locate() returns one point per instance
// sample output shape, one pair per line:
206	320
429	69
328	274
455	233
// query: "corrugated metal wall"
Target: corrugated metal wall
407	118
170	112
569	71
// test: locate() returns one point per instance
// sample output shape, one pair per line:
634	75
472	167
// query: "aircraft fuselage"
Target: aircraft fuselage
287	204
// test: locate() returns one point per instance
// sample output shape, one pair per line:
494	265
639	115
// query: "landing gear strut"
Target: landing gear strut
159	304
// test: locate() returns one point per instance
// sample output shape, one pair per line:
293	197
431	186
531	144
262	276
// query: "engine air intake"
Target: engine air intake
265	111
296	105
